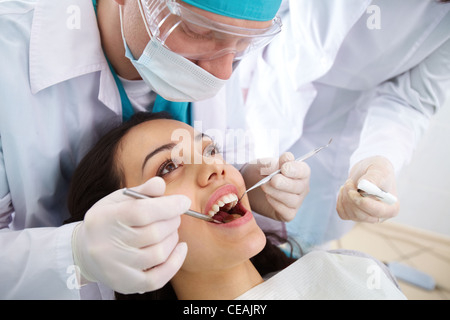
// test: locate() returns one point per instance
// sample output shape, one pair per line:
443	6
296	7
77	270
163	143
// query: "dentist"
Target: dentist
370	75
70	71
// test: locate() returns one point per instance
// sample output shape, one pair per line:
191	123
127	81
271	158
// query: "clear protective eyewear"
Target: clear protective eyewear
196	37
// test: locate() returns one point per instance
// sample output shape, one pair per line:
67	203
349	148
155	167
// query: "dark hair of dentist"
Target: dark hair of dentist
97	176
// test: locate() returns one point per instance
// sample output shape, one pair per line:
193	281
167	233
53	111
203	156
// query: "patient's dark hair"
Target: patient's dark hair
98	175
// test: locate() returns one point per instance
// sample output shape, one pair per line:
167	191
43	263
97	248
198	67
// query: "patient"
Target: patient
224	261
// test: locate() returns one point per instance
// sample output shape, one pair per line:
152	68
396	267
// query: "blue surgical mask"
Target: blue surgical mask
172	76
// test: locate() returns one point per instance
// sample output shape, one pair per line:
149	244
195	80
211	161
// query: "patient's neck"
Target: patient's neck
216	285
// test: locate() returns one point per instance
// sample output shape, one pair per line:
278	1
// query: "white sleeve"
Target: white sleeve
400	112
35	263
6	209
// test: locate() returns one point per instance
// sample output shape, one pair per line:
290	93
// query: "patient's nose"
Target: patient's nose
210	171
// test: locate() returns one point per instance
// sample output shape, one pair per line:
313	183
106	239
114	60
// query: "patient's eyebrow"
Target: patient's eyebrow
200	137
168	146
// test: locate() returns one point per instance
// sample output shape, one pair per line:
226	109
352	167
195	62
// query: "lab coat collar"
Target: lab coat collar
64	44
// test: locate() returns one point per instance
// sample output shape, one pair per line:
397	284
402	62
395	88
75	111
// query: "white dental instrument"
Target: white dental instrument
192	213
270	176
367	188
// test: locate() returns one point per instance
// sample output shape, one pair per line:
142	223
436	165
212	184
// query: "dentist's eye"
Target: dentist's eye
167	167
211	150
196	32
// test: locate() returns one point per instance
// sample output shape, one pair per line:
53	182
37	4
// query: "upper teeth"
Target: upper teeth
230	199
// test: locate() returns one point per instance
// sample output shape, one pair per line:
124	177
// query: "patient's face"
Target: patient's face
191	165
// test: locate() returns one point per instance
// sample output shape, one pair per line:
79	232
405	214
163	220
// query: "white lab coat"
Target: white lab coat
368	74
57	97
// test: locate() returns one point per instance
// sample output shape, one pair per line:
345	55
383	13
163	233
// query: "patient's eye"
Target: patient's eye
211	150
166	167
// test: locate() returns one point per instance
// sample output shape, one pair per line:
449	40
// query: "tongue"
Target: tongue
225	216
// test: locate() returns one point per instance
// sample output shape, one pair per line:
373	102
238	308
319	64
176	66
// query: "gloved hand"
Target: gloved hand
131	245
282	196
352	206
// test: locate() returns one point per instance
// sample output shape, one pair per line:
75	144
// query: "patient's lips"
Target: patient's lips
223	205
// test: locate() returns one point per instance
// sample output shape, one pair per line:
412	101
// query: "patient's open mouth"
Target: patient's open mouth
227	208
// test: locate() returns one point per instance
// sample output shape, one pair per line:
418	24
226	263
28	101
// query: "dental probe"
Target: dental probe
270	176
195	214
367	188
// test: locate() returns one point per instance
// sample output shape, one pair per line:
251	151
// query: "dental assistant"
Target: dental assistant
370	75
70	71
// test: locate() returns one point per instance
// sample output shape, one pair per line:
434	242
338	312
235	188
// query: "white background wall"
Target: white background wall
424	185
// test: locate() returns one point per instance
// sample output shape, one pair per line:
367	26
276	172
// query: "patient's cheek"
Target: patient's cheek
191	231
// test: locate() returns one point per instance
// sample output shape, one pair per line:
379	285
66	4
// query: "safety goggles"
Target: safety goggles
196	37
